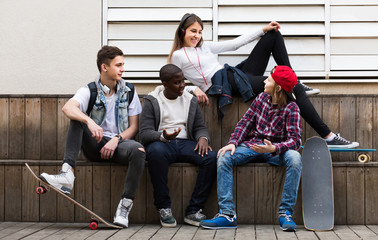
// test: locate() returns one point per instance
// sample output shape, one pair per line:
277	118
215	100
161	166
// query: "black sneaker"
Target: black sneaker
194	218
340	142
166	217
310	91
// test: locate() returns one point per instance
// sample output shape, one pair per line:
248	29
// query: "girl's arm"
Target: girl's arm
236	43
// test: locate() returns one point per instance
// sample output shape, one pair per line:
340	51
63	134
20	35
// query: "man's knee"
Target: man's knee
224	160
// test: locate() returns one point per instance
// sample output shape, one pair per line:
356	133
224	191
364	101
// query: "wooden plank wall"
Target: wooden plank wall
257	194
33	129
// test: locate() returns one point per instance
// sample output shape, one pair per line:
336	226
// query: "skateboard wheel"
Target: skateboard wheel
93	225
363	158
40	190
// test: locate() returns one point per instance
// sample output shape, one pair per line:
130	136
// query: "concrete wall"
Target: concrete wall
48	46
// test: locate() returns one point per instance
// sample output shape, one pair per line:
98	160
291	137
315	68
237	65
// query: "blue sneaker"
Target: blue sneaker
220	221
286	222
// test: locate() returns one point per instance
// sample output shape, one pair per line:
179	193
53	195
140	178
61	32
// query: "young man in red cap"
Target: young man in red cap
271	131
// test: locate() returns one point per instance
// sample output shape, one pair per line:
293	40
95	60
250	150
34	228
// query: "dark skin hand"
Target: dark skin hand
171	136
202	146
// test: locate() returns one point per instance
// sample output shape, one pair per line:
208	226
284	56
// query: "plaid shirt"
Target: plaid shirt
263	120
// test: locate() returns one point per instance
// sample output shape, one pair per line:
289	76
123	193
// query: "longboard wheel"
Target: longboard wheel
41	190
363	158
93	225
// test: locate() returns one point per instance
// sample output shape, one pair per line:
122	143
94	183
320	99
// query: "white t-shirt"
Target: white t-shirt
174	115
109	127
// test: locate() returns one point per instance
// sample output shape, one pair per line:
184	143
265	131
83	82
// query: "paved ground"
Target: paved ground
26	230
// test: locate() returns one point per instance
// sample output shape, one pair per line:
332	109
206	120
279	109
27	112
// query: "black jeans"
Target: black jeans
255	65
127	152
160	155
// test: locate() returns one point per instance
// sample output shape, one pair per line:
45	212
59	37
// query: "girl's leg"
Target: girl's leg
271	43
309	113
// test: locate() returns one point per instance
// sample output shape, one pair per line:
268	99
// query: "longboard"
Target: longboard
317	186
44	187
363	153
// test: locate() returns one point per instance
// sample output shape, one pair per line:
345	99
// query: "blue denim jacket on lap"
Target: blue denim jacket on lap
222	88
98	113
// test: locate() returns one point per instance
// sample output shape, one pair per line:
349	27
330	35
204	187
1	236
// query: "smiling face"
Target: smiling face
175	86
193	35
115	68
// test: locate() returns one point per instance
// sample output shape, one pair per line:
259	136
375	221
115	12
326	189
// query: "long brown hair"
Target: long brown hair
280	96
178	42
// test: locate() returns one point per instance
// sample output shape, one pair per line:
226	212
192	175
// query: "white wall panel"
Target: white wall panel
268	13
160	3
303	29
357	30
354	46
143	47
148	30
353	2
335	38
348	63
354	13
269	2
144	63
156	14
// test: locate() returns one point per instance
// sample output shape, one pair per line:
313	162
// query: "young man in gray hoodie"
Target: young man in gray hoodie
172	130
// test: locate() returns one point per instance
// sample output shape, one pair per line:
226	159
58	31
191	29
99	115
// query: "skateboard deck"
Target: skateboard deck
317	186
44	187
363	153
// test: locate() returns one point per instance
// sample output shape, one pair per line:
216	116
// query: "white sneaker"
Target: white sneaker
63	181
121	217
340	142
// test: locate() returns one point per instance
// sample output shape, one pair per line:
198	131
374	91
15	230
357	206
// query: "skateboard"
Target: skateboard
45	187
363	154
317	186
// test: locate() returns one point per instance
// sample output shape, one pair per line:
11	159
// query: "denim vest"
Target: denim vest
98	113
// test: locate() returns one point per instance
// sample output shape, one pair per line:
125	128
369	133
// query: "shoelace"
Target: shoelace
199	214
165	212
287	217
341	139
222	215
124	211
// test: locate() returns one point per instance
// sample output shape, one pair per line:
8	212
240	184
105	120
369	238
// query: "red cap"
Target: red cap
285	77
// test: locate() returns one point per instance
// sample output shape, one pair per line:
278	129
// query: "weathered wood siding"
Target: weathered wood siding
33	130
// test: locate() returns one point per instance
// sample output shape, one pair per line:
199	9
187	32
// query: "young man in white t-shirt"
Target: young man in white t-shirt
107	133
173	130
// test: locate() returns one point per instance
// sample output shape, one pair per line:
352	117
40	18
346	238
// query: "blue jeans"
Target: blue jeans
160	155
290	159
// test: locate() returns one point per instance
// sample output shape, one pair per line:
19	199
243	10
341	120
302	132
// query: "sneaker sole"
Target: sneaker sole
168	225
289	229
191	222
215	228
344	146
120	224
312	92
